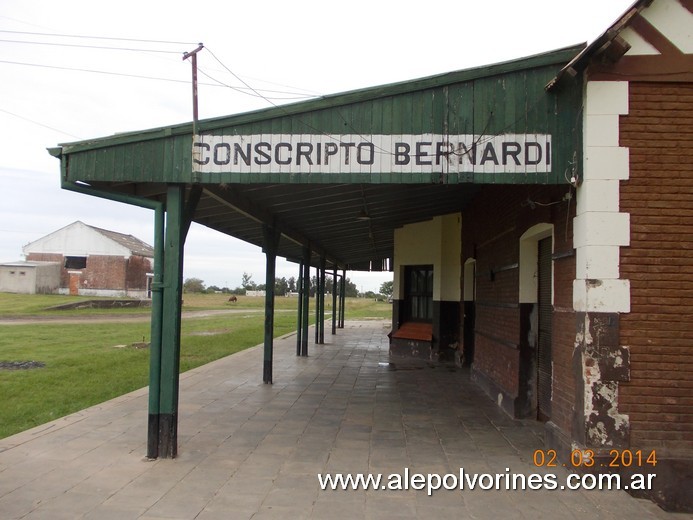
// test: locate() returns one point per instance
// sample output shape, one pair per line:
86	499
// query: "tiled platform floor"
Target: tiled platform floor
249	450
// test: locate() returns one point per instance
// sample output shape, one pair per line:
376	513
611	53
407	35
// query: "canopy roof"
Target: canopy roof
340	173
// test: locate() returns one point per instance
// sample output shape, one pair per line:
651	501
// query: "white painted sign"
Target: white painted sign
354	153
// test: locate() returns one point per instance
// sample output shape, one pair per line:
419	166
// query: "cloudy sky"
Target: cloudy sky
76	69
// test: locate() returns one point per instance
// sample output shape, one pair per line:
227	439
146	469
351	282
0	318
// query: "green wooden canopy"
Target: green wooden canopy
338	174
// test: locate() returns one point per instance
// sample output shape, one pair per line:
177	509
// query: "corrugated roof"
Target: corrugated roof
134	244
27	263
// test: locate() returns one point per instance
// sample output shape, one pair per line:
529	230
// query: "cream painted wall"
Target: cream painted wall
600	228
436	242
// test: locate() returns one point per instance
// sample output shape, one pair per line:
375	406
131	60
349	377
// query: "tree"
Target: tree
247	282
386	288
193	285
351	289
292	284
281	286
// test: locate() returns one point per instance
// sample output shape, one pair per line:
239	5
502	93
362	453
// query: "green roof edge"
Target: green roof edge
558	56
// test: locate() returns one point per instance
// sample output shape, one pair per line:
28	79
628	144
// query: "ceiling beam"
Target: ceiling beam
231	197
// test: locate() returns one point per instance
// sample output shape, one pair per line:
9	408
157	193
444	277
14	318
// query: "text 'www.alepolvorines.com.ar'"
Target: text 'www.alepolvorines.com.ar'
461	481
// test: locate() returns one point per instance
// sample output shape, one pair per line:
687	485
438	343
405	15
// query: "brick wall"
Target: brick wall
105	272
659	265
136	272
491	229
489	234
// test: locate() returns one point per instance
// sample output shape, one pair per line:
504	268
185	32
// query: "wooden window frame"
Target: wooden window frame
418	301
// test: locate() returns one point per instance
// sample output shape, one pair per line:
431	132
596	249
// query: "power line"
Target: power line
312	93
242	90
239	79
81	46
77	69
96	37
256	92
39	124
139	76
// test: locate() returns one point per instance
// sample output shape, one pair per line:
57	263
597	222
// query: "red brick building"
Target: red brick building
615	376
577	299
96	262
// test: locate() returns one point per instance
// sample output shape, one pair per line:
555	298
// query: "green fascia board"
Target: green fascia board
556	57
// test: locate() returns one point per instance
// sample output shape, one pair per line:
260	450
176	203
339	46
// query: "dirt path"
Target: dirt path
114	318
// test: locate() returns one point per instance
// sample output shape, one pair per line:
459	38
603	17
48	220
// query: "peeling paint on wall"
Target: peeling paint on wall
604	364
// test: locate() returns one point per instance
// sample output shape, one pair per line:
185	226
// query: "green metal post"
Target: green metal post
338	290
317	305
299	319
334	301
322	300
155	341
343	296
170	352
153	428
271	239
306	300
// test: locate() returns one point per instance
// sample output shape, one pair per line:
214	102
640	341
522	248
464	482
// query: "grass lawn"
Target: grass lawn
91	362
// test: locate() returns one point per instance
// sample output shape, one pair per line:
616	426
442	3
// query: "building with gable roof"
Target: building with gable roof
95	261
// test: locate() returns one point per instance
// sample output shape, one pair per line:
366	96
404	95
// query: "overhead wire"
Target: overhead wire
141	40
255	92
39	124
217	83
82	46
127	75
59	35
308	125
239	78
242	90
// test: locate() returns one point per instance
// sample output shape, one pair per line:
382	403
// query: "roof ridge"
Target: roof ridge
122	238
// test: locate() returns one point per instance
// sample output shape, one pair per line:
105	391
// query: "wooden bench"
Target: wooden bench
412	339
414	330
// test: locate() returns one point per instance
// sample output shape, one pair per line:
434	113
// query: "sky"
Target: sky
75	70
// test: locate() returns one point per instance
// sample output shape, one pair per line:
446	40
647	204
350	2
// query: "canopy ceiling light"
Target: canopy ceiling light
363	215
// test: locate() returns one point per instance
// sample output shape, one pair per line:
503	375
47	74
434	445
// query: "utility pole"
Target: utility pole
193	55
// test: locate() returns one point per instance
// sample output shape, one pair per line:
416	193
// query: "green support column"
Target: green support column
306	300
319	300
271	238
334	301
170	337
299	319
321	321
338	290
156	330
343	296
317	306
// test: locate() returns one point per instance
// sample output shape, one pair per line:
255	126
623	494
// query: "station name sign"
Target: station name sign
355	153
